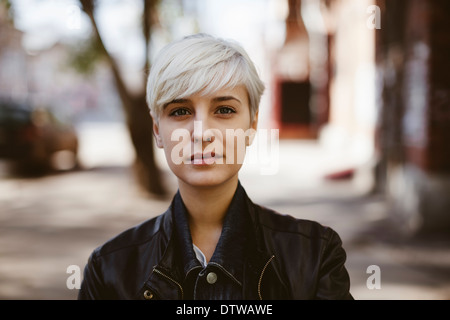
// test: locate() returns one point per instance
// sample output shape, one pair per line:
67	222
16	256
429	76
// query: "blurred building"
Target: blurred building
292	88
352	109
380	95
324	77
12	59
413	134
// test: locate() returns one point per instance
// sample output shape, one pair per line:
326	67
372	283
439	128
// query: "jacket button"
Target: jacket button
211	278
148	295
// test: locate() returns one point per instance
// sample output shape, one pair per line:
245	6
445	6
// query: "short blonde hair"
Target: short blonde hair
201	63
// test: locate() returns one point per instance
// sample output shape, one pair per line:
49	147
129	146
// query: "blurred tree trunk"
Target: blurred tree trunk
135	107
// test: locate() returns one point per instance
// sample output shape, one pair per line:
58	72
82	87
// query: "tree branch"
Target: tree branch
88	7
148	20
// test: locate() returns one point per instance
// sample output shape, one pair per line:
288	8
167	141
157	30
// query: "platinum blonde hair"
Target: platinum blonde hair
201	63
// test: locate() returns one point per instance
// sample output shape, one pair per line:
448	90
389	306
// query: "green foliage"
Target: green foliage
85	57
9	10
6	3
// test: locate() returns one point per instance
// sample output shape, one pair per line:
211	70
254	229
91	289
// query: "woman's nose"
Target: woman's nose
202	132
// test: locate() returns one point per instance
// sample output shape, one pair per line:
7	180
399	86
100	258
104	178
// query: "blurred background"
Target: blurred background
358	89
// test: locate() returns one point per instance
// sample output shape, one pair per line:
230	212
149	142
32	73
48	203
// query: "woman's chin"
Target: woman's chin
207	178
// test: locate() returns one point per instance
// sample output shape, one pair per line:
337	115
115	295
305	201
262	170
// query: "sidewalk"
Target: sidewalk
49	223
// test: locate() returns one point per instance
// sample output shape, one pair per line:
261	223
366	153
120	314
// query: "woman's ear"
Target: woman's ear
253	126
156	134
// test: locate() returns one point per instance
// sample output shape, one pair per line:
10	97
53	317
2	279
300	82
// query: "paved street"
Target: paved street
52	222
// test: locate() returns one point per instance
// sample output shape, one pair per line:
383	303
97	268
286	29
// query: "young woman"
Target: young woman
213	242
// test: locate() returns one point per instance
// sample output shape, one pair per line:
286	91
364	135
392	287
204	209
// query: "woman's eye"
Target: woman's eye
225	110
179	112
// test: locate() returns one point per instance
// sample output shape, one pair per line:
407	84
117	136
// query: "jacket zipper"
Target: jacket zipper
261	276
174	281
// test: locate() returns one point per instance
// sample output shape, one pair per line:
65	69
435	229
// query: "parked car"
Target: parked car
35	140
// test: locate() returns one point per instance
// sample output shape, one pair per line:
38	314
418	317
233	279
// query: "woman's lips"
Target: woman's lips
204	158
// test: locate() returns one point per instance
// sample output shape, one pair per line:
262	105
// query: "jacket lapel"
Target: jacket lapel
164	279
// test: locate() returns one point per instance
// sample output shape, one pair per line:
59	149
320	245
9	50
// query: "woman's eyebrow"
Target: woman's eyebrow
176	101
226	98
216	99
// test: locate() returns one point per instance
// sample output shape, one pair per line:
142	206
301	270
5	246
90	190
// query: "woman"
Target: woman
213	242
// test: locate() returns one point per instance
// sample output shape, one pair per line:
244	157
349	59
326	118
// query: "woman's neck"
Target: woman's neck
207	207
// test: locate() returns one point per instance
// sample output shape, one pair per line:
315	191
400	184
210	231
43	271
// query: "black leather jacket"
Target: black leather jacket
287	259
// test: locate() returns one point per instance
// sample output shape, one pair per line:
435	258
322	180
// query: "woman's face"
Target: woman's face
204	137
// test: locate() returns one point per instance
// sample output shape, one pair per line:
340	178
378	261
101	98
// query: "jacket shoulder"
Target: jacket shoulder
134	236
109	262
283	223
305	247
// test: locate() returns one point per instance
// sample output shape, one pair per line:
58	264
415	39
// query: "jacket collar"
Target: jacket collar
179	258
182	236
230	250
